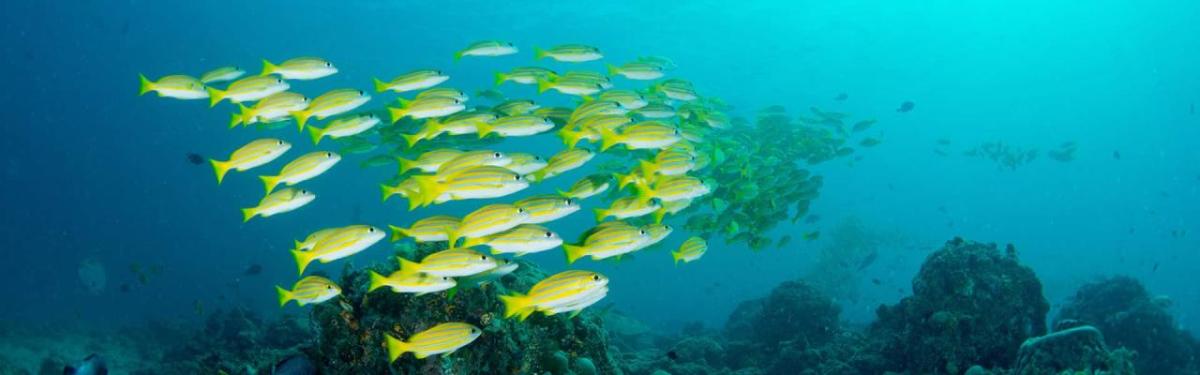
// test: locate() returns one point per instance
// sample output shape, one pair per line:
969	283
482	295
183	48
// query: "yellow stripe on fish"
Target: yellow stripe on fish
440	339
332	103
547	208
692	249
457	262
302	169
311	289
430	229
343	243
564	289
253	154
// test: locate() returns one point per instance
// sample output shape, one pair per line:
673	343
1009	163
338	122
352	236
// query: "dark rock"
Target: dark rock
971	304
1076	349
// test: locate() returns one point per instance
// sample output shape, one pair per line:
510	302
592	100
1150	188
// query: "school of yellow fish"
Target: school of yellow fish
666	122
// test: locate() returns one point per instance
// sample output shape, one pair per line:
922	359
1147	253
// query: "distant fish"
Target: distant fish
905	107
943	141
1117	155
868	260
876	281
295	365
810	236
253	270
841	97
91	365
195	158
671	354
1192	109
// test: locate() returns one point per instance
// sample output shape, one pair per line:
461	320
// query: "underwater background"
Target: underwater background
97	180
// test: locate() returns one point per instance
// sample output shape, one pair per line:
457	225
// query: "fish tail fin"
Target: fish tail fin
380	86
408	267
429	190
412	139
398	233
269	182
268	68
220	168
214	96
146	86
316	134
388	191
458	56
484	129
677	256
235	119
406	164
613	70
302	260
470	242
397	113
377	281
608	138
659	214
500	78
301	118
395	347
543	85
600	214
248	213
574	252
516	304
539	53
298	244
284	295
570	137
648	168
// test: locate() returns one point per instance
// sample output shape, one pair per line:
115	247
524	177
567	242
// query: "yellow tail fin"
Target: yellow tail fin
234	119
386	192
214	96
608	138
539	53
146	85
677	257
429	190
484	129
543	85
303	258
412	139
397	113
377	281
458	56
516	304
408	267
395	347
301	118
398	233
220	168
284	295
380	86
600	214
659	214
613	70
268	68
248	213
316	133
269	182
573	253
406	164
246	116
500	78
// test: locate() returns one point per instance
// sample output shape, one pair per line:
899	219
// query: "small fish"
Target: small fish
841	97
456	262
676	89
547	208
344	127
812	236
876	281
587	187
343	243
425	108
675	188
332	103
628	99
195	158
907	106
517	107
862	125
569	53
612	239
300	68
443	92
524	164
429	161
304	168
567	291
479	182
174	86
525	75
563	162
506	267
313	238
627	207
407	282
272	109
692	249
285	200
412	81
443	338
311	289
248	89
222	74
521	240
489	48
430	229
491	94
569	87
515	126
639	136
655	233
253	270
637	71
869	142
1116	155
489	220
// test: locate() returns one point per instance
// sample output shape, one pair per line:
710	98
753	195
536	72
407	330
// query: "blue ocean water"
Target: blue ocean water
94	172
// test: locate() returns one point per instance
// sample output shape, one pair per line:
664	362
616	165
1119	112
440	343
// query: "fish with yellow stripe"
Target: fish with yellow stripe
566	291
457	262
344	127
309	290
332	103
284	200
274	108
314	237
248	89
563	162
627	207
521	240
515	126
431	229
611	239
428	161
639	136
490	48
489	220
674	188
346	241
471	159
222	74
547	208
692	249
465	122
569	53
480	182
253	154
174	86
587	187
418	283
300	68
304	168
412	81
440	339
426	108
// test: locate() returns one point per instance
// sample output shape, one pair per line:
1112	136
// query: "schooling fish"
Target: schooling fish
489	48
430	229
440	339
300	68
456	262
566	291
248	89
569	53
253	154
332	103
489	220
637	71
525	75
311	289
274	108
547	208
412	81
343	243
304	168
524	239
174	86
285	200
222	74
691	249
408	282
344	127
906	107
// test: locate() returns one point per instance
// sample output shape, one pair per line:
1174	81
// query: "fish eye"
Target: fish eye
537	158
280	142
483	257
473	331
371	230
568	202
549	234
444	278
497	155
520	210
517	178
595	277
330	287
328	64
361	93
329	154
642	232
279	80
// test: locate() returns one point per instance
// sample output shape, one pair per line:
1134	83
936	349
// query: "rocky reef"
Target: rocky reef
1130	317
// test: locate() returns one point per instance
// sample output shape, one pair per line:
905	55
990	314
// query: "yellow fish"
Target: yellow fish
311	289
570	87
456	262
471	159
479	182
488	220
439	339
412	81
524	239
566	291
691	249
627	207
671	207
430	229
516	107
656	111
429	161
407	188
490	48
332	103
313	238
302	169
637	71
426	108
174	86
655	233
344	127
676	89
419	283
642	135
460	123
345	242
524	164
595	108
628	99
248	89
443	92
547	208
674	188
285	200
563	162
528	75
277	107
222	74
253	154
612	239
515	126
588	187
569	53
300	68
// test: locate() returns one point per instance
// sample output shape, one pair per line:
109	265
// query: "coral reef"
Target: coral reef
971	304
1130	317
235	341
352	328
1079	349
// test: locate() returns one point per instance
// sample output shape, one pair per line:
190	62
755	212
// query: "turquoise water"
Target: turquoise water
94	172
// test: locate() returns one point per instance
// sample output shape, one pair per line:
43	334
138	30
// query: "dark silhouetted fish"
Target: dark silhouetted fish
876	281
295	365
841	97
195	158
1117	155
92	365
812	219
906	107
254	269
868	260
